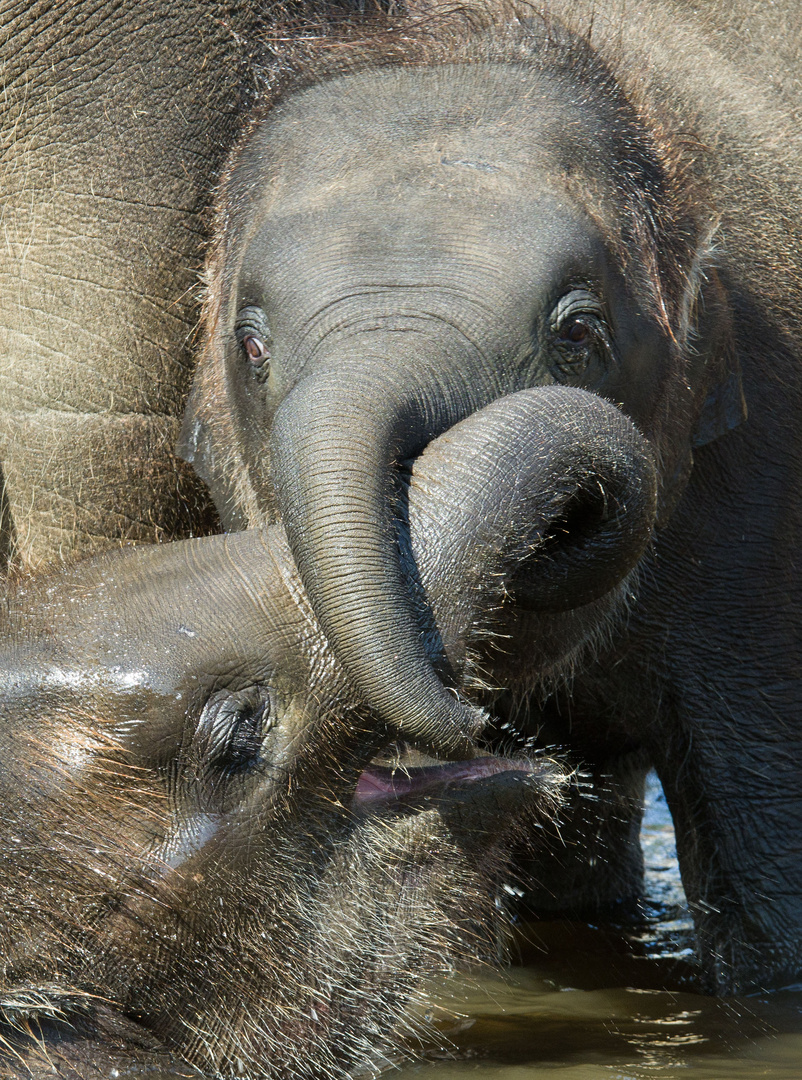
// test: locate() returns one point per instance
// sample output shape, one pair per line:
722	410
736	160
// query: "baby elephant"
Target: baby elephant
208	838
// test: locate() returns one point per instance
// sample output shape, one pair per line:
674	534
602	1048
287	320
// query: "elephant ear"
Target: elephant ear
724	408
707	331
205	447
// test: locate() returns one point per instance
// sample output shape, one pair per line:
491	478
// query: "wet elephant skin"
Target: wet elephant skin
428	217
209	846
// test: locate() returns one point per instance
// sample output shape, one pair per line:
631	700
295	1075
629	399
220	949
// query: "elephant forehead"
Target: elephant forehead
461	178
444	206
164	619
487	130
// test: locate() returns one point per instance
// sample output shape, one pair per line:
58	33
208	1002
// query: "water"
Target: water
613	1002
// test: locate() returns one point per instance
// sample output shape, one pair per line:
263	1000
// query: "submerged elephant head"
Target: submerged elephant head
407	235
202	828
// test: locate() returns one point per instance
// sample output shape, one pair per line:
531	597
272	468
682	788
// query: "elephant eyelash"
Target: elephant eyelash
231	728
577	311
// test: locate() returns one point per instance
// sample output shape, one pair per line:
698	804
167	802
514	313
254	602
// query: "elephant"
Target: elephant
211	851
115	119
429	213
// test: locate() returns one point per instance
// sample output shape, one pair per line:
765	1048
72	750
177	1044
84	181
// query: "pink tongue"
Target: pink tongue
379	784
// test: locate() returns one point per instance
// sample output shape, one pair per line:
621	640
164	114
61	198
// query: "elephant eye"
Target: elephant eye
575	331
580	335
255	350
254	340
232	726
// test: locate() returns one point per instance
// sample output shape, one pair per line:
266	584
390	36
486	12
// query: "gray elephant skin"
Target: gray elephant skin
426	216
115	118
208	850
649	214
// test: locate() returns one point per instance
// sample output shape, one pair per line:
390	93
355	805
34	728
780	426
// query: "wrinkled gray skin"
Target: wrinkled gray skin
115	117
423	222
111	137
204	844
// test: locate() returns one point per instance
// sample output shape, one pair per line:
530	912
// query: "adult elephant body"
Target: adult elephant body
115	119
541	199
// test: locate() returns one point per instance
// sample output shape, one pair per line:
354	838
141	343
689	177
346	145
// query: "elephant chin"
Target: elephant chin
579	520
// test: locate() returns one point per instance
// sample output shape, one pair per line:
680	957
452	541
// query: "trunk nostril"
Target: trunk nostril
585	549
584	516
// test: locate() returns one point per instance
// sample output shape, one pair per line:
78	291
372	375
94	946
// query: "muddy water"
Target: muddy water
614	1003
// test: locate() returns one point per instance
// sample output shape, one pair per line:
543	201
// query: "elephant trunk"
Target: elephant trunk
552	489
545	498
335	441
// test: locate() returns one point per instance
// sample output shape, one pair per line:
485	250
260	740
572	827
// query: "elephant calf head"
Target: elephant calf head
205	830
421	224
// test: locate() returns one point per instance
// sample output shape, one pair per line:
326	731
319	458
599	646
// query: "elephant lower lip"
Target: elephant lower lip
382	785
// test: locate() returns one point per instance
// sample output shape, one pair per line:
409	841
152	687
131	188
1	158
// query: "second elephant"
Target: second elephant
208	844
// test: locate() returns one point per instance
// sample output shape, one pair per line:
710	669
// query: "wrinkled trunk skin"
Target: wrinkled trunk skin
114	121
332	452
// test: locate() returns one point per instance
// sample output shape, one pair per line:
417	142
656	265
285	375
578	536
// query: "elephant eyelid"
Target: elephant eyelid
251	320
581	308
232	726
574	304
253	337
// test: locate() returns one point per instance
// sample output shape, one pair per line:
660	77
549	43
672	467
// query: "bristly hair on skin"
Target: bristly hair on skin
657	173
656	217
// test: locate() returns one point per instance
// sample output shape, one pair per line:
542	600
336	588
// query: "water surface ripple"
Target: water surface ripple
614	1002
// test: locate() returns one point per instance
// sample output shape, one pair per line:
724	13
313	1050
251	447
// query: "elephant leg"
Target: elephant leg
597	861
737	811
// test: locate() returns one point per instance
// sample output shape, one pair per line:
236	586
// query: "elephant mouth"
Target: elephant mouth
413	782
385	784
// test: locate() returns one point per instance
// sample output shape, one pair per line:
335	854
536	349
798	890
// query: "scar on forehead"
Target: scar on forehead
480	166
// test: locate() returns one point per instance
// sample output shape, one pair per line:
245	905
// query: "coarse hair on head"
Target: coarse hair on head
651	205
